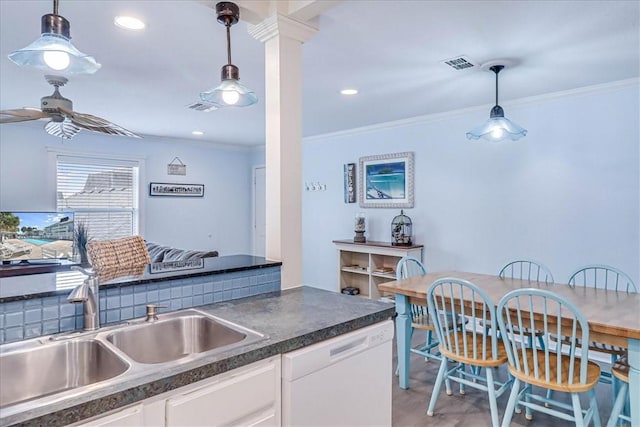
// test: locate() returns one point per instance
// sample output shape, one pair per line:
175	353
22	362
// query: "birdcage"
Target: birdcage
401	230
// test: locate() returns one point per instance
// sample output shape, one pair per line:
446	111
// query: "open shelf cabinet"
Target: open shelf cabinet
367	265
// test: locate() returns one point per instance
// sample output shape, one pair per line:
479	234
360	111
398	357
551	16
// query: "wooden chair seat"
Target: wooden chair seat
425	323
593	373
475	356
422	322
620	369
595	346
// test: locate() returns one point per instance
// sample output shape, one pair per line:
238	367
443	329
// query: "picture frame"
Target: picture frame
175	190
386	181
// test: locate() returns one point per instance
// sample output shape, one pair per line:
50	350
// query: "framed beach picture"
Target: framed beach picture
386	181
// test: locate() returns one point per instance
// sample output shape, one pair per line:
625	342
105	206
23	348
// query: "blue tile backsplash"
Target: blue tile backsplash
53	314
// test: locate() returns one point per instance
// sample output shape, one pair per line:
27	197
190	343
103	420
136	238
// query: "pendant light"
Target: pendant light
53	50
230	93
498	127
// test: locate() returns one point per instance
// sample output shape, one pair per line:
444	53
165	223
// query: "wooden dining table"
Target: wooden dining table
614	317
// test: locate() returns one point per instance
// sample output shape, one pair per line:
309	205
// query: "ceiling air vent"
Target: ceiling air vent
460	62
202	106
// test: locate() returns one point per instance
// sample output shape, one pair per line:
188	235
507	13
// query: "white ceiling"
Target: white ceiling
389	50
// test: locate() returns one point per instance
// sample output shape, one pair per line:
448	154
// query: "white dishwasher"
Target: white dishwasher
343	381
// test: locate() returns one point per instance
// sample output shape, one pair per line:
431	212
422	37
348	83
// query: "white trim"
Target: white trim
94	154
587	90
239	146
253	210
281	25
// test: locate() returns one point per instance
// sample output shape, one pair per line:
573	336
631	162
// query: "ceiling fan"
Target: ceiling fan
65	123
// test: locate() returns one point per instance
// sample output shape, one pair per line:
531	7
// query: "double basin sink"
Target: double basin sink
41	369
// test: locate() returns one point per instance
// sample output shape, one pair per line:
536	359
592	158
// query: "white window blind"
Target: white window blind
101	192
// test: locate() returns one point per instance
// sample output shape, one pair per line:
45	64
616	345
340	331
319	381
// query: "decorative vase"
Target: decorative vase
359	228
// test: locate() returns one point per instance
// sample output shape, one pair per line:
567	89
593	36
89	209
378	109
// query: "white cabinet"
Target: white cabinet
131	416
366	265
247	396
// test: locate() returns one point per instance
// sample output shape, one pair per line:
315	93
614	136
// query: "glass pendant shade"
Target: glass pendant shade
230	93
53	50
497	127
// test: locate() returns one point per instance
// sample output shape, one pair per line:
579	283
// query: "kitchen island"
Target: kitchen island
290	319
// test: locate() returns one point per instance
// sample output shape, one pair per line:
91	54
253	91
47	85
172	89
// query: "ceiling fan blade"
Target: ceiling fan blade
22	115
64	129
95	124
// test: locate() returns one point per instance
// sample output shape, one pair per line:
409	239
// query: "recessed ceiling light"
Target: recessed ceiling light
129	23
349	91
197	132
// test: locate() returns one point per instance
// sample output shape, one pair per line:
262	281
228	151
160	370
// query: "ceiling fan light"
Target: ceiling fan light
497	129
230	93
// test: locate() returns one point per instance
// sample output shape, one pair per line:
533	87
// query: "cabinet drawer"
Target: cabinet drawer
248	398
129	417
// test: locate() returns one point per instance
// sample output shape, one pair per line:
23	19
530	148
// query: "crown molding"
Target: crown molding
280	25
531	100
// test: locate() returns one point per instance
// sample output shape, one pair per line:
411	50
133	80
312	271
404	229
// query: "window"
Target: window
103	193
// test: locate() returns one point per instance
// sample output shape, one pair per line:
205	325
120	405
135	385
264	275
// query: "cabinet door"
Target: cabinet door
131	416
250	396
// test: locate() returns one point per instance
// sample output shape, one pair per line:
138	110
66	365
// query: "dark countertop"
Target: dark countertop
291	319
47	284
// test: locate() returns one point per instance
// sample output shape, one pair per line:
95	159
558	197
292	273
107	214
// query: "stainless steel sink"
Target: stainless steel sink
180	334
37	372
53	367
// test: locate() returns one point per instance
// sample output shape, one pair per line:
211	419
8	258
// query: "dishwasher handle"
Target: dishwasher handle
347	349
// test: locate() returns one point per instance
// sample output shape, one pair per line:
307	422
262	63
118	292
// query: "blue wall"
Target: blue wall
218	221
567	194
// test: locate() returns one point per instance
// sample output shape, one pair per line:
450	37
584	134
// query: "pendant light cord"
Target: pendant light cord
55	7
497	86
496	69
228	25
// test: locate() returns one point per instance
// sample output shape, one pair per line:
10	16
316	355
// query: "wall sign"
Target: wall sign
176	190
350	183
168	266
176	167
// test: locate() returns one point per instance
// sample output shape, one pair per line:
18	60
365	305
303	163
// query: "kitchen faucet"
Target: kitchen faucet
87	293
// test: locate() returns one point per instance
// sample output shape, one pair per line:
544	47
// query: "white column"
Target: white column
283	38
